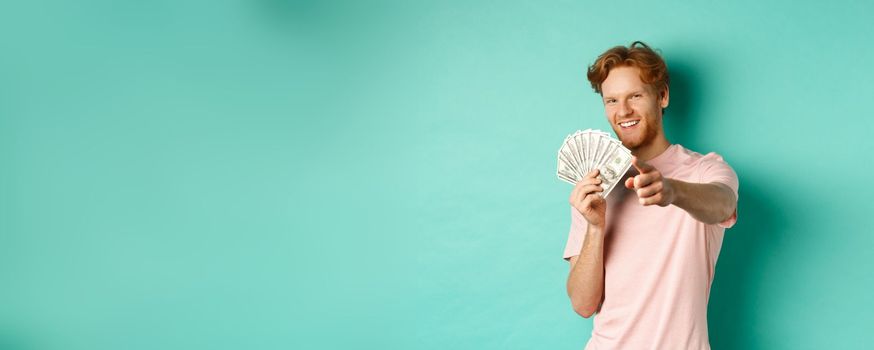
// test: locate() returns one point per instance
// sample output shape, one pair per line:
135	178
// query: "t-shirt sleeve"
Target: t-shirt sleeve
715	169
576	235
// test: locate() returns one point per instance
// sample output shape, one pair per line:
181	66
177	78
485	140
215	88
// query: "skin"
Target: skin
627	98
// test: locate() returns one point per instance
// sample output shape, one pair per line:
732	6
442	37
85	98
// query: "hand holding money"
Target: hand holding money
586	199
588	150
650	186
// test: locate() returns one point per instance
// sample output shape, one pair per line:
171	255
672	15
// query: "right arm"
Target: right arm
585	283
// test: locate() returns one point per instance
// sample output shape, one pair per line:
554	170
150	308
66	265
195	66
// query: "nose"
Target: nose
624	109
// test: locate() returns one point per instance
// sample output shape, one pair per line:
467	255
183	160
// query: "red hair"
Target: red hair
653	70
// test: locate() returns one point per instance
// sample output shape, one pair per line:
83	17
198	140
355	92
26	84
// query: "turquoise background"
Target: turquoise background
322	175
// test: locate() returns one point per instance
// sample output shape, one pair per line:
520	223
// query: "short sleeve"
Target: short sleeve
715	169
576	235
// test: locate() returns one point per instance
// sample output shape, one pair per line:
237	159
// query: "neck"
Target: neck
651	150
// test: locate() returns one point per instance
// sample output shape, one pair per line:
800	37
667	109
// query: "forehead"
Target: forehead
622	80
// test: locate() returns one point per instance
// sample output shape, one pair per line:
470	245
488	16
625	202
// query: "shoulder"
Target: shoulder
690	158
710	167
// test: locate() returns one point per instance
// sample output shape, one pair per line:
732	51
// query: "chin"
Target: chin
630	144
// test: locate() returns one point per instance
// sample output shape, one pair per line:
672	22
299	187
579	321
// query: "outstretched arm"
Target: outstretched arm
710	203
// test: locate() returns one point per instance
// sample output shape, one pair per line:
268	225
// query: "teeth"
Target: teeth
627	124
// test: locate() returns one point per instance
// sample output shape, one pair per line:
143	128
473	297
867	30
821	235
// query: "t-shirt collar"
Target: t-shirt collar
665	156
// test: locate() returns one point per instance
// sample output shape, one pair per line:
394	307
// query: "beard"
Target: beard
645	136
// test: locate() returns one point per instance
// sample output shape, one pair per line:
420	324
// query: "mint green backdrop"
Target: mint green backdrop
272	174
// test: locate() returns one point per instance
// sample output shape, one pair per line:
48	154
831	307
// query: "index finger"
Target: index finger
590	179
641	166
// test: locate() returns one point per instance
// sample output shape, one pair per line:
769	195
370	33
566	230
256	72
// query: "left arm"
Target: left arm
710	203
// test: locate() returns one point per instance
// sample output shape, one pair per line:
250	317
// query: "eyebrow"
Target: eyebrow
633	92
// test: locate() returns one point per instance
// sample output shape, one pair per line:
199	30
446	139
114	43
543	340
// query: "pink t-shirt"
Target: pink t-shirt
659	261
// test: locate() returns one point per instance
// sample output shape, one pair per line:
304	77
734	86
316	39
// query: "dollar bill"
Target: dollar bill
614	168
589	149
566	163
571	153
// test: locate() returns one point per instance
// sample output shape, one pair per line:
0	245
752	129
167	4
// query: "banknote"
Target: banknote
589	149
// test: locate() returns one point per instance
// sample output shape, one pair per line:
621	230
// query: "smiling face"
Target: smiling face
634	110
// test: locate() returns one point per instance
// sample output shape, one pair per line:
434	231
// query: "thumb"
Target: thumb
629	183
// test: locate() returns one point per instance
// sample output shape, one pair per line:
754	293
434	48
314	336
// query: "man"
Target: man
644	259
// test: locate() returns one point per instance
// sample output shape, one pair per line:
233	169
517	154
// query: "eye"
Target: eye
638	95
610	101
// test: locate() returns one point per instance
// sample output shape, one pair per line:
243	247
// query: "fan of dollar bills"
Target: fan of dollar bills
586	150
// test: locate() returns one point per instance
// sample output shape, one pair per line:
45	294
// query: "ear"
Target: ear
664	97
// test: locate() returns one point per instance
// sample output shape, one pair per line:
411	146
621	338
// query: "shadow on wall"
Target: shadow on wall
733	296
11	341
686	91
738	279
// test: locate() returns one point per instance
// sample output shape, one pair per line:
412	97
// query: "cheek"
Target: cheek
646	110
642	104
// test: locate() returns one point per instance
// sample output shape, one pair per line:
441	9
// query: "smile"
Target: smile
629	124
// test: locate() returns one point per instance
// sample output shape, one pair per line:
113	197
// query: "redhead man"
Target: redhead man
643	260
